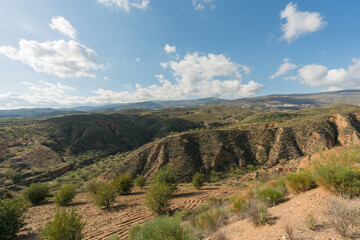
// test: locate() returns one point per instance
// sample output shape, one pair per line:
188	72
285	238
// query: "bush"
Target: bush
198	180
123	184
157	197
103	194
341	180
16	177
36	193
11	217
93	186
257	212
310	221
344	217
300	182
239	204
66	225
270	196
167	175
65	195
140	181
164	228
210	220
114	237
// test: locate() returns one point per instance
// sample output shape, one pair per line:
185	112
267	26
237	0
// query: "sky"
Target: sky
66	53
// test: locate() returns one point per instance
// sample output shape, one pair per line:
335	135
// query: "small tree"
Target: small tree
65	195
66	226
167	175
36	193
11	217
104	194
198	180
123	184
140	181
157	197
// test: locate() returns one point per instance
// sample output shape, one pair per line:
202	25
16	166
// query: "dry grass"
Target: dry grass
344	217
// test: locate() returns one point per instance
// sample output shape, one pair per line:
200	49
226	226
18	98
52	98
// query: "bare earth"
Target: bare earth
127	211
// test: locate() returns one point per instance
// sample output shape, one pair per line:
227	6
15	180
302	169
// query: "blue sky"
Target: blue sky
93	52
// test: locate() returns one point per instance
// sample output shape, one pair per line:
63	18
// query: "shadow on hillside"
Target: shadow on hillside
74	204
272	220
189	194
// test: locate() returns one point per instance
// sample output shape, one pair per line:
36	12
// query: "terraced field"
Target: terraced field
127	211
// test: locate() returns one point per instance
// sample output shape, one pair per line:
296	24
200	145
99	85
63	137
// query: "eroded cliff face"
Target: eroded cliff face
264	144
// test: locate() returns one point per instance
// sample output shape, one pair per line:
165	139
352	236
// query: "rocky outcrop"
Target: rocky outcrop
264	144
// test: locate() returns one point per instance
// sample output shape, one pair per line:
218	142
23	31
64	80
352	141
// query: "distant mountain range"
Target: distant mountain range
265	103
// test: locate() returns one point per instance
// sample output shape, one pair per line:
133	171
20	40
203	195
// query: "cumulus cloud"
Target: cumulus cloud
284	68
202	4
59	58
299	23
315	75
126	4
137	59
169	49
194	76
63	26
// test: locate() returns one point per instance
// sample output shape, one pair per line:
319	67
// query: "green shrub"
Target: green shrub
198	180
310	221
341	180
114	237
270	196
103	195
239	204
11	217
123	184
164	228
300	182
167	175
16	177
36	193
66	226
157	197
93	186
65	195
140	181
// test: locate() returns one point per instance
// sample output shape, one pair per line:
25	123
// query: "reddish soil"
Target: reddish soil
127	211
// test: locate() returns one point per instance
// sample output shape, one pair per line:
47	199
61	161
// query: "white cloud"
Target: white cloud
169	49
60	58
284	68
63	26
137	60
299	23
194	76
202	4
126	4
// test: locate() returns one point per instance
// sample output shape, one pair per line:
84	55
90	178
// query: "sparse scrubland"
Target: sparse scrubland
193	183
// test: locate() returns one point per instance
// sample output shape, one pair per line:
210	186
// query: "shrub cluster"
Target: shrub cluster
157	197
103	193
140	181
257	212
11	217
167	175
65	195
36	193
300	182
123	184
341	180
66	225
270	196
240	204
161	228
198	180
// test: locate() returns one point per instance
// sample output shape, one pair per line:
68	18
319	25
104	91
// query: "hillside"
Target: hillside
263	103
260	139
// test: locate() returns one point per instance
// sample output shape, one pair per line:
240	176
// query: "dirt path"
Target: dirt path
127	211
